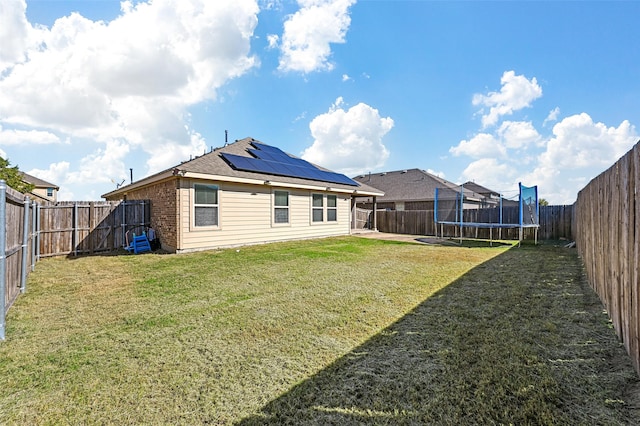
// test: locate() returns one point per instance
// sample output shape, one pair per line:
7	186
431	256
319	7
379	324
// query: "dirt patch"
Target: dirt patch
429	239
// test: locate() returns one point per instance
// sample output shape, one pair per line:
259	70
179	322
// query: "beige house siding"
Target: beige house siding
42	193
246	217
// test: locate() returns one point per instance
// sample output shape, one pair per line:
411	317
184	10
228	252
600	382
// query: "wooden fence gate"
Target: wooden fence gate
83	227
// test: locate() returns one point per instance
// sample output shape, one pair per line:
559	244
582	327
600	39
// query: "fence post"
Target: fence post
38	225
25	246
3	258
75	228
33	236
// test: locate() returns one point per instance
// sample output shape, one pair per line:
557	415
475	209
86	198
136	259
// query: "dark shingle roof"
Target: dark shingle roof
472	186
406	185
39	183
212	163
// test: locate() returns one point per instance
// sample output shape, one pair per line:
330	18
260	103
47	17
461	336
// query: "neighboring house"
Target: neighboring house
411	189
43	190
482	190
245	193
491	197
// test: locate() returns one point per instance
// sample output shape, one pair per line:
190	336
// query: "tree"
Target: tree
543	202
13	177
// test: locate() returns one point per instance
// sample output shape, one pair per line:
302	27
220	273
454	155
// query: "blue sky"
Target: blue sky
543	93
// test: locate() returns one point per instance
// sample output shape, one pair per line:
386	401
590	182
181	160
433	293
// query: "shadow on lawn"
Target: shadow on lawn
520	339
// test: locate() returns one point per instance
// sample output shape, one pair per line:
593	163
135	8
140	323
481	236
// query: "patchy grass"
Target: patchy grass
340	330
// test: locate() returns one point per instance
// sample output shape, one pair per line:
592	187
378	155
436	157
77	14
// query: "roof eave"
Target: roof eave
233	179
140	183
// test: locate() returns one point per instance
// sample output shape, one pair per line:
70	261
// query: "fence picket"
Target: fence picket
555	223
608	239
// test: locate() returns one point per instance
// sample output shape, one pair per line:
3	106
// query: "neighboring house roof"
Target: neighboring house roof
472	186
37	182
213	166
489	193
409	185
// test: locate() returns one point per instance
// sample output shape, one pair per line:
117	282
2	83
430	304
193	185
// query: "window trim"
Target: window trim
326	209
334	208
194	205
315	208
274	207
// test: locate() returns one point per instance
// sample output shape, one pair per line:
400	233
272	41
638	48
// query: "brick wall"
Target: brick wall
163	198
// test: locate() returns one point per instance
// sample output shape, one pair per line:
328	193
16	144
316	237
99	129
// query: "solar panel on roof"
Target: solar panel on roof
271	160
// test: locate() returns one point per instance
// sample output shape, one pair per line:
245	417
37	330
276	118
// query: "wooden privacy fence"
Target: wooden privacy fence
555	223
15	250
72	228
608	240
83	227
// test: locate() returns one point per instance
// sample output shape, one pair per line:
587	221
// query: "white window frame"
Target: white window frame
215	206
275	208
334	208
320	208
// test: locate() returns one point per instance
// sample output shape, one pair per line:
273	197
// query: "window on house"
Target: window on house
281	207
317	208
205	205
49	192
332	208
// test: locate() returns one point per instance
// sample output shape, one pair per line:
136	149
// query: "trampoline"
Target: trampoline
462	208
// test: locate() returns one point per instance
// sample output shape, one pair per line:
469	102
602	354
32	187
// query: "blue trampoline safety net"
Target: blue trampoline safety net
461	206
529	206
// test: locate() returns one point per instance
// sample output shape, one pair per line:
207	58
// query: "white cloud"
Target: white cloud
516	93
481	145
101	166
349	141
125	84
3	154
553	116
56	173
578	150
345	77
27	137
270	4
308	34
518	134
17	35
273	40
578	142
439	174
491	173
560	164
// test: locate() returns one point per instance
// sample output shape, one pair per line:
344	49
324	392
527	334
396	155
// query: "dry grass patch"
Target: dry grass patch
204	337
340	330
520	339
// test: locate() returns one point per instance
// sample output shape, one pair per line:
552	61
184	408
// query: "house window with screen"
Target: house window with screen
281	207
205	205
317	208
332	208
49	192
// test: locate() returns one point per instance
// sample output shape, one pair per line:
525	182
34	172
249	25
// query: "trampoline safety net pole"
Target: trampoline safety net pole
520	212
461	210
435	212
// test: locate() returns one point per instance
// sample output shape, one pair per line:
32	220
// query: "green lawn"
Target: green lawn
331	331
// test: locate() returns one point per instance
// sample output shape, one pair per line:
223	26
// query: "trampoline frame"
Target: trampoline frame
461	224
